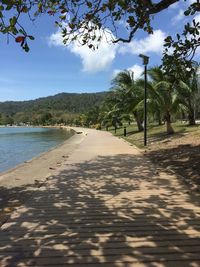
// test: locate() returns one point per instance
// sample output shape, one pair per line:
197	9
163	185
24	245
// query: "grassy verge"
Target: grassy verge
179	152
155	133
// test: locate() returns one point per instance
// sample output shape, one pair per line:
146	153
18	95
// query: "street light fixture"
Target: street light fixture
145	63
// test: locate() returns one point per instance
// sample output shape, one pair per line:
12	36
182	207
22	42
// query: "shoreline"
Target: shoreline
66	128
41	166
18	184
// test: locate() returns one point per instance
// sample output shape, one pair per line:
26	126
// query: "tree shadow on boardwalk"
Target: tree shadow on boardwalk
112	211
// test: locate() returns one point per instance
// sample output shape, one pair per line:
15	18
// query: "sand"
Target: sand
42	166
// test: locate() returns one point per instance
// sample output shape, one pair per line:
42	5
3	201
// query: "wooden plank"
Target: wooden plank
112	260
102	214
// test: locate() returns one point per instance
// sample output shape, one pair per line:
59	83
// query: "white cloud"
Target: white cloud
136	69
115	72
180	16
153	43
92	61
56	39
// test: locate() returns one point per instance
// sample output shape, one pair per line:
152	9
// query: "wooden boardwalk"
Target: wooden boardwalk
106	206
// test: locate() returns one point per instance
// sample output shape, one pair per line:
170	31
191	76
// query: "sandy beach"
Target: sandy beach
33	173
40	167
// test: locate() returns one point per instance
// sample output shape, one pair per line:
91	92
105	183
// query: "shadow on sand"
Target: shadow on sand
182	159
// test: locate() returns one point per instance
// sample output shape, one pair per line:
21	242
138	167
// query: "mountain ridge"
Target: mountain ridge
69	102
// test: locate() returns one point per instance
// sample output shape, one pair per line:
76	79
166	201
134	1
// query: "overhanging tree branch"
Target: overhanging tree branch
162	5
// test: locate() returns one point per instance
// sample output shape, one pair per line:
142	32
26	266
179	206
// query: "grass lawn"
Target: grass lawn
155	133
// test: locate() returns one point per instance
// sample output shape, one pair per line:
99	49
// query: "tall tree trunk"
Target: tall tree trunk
158	117
159	121
170	129
191	118
138	121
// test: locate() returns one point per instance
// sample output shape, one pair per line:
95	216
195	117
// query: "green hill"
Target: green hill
67	102
61	108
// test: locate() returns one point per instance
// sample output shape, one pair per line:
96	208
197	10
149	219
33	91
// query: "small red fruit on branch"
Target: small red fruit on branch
19	39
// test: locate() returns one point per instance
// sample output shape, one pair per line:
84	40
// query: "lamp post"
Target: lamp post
145	63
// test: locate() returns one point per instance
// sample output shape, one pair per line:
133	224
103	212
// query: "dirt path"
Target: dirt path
106	205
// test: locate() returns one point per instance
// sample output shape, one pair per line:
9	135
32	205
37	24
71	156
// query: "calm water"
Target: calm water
18	144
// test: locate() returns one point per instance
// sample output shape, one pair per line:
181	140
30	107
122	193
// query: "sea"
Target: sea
19	144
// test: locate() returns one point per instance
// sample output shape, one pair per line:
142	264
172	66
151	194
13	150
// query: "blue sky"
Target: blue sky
51	68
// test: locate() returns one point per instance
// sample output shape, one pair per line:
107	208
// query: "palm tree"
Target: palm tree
128	94
109	112
164	95
153	101
187	95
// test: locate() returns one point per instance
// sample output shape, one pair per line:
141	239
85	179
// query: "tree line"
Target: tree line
63	108
168	99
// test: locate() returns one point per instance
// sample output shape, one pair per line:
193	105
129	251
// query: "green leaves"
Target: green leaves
31	37
131	21
180	51
26	47
84	17
13	21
